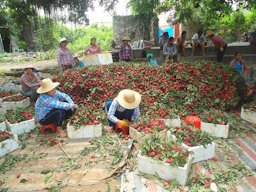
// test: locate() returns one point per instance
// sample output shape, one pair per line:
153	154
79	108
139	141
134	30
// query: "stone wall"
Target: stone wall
135	27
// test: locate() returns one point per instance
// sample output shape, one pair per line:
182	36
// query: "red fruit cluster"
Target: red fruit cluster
5	135
215	116
15	98
191	136
165	151
251	105
5	94
84	116
189	88
150	126
19	115
27	115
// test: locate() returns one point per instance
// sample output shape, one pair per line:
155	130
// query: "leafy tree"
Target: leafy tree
147	9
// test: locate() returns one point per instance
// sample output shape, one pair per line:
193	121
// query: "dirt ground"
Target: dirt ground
37	64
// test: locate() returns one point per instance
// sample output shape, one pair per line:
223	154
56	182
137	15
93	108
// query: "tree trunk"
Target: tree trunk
28	34
155	30
147	28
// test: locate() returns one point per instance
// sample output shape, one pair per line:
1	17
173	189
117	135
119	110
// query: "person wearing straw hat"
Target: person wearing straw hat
30	82
125	53
52	106
124	108
65	58
219	43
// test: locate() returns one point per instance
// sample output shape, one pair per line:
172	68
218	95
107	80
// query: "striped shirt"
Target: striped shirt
125	52
65	57
45	103
115	106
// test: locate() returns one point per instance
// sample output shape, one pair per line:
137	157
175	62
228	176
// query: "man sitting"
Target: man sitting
198	40
52	106
169	50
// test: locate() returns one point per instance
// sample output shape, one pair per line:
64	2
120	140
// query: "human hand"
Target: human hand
75	106
122	123
221	49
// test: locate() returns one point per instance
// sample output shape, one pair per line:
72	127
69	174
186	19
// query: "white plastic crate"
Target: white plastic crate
3	126
163	170
85	131
22	127
98	59
248	115
11	105
8	146
173	122
215	130
140	137
199	153
2	110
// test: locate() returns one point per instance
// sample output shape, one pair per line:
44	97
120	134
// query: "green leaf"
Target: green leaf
23	181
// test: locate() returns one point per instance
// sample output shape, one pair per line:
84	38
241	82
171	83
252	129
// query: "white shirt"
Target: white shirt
197	39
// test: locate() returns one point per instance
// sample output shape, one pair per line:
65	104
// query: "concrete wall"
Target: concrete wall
135	27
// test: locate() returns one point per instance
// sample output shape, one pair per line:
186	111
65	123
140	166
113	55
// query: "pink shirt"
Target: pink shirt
27	82
218	41
93	50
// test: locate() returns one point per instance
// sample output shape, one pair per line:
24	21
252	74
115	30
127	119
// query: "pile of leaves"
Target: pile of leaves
188	88
150	126
215	117
19	115
5	135
165	151
191	136
15	98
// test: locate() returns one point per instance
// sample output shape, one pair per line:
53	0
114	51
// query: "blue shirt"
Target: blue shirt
167	50
45	103
115	106
80	64
238	66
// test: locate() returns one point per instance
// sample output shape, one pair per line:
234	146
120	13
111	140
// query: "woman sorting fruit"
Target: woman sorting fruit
93	48
52	106
123	109
30	82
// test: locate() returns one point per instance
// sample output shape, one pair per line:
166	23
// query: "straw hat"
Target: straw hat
209	33
126	39
29	67
47	85
129	99
62	40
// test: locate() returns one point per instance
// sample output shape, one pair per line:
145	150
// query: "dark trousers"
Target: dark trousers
126	60
56	116
220	54
125	115
31	92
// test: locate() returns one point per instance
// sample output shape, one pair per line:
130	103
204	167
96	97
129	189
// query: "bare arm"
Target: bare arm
232	64
245	69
